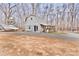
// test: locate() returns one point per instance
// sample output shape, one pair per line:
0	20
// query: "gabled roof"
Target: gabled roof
40	20
29	16
47	24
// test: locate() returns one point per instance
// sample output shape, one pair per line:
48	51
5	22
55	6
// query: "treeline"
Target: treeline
64	16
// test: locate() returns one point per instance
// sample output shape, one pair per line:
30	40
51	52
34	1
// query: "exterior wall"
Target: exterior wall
31	22
48	28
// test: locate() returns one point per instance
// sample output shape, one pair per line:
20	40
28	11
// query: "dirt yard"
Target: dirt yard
23	45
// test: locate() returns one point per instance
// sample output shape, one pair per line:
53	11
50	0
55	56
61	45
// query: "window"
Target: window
31	18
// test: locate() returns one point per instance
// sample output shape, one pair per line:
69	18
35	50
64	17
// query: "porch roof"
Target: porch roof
47	25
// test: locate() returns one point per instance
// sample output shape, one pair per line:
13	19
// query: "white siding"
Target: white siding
31	23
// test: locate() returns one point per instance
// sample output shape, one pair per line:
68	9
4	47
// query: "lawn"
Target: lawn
11	44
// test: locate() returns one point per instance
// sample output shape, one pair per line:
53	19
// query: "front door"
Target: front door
35	28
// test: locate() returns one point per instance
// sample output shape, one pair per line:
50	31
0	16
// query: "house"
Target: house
36	24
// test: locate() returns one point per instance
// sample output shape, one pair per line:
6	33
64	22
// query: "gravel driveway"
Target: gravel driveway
68	36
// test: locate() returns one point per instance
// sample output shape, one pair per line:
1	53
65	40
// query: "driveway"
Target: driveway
67	36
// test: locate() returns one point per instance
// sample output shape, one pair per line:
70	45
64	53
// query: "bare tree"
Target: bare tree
7	11
71	15
63	17
57	18
22	12
35	7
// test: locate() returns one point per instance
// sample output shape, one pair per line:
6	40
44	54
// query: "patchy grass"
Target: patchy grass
11	44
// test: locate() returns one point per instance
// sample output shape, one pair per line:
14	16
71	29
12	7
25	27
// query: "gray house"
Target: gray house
37	24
